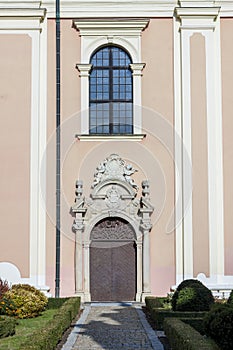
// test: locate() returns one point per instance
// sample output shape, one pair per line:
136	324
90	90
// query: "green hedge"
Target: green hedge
56	303
192	295
7	326
52	333
183	337
159	315
196	323
157	302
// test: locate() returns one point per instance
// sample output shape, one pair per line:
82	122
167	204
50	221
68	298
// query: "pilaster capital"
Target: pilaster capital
84	69
137	68
197	17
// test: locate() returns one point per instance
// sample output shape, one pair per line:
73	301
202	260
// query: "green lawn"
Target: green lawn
24	329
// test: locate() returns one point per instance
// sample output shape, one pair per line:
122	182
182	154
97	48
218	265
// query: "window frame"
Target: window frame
113	128
125	33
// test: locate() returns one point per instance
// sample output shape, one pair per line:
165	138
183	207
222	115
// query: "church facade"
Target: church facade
146	146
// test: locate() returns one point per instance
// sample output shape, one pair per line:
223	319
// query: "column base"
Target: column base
144	295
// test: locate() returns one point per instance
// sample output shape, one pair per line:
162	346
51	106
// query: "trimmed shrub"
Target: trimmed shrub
157	302
218	324
24	301
52	334
7	326
159	315
56	303
182	336
230	299
196	323
4	287
192	295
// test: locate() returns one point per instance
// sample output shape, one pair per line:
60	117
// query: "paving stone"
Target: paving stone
113	327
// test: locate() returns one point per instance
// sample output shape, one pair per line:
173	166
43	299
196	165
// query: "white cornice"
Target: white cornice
193	18
22	13
21	18
191	12
117	8
97	27
20	4
112	8
92	137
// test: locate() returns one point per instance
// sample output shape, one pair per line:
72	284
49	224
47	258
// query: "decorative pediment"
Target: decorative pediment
114	168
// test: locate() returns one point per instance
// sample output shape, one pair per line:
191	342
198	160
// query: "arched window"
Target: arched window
111	92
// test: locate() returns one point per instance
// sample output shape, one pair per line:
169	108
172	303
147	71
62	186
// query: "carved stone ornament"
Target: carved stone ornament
112	229
113	195
114	167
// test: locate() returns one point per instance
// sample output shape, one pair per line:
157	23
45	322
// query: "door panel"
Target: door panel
113	271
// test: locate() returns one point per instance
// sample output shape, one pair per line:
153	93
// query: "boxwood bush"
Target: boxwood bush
192	295
52	334
55	303
183	337
7	326
218	324
159	315
230	299
157	302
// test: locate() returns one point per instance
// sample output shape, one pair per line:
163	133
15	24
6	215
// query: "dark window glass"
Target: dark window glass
111	92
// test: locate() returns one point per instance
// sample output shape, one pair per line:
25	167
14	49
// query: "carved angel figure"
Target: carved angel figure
128	171
98	174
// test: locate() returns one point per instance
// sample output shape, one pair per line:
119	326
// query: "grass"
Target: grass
24	328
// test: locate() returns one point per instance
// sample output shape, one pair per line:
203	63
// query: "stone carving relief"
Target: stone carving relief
113	193
112	230
114	167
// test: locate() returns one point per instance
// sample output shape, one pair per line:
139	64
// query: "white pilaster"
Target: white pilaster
84	70
199	19
86	253
79	263
139	271
137	69
178	153
215	154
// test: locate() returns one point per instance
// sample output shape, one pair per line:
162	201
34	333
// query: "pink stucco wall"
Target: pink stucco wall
15	96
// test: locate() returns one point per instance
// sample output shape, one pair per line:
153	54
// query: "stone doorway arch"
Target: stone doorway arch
114	194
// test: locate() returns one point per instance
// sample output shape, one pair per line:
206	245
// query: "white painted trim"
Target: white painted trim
119	27
137	69
34	157
178	154
21	19
84	70
215	152
112	8
187	147
133	137
206	22
42	156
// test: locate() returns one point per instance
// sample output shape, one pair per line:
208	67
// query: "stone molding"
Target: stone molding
113	194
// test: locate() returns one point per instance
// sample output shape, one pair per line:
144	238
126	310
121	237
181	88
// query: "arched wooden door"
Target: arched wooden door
113	261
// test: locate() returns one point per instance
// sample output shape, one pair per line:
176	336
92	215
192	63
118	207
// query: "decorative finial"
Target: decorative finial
145	188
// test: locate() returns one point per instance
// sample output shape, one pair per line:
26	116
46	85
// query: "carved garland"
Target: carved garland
112	230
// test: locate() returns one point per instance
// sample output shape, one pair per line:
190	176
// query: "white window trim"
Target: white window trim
96	33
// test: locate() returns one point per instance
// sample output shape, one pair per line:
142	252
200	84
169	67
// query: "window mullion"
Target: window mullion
110	91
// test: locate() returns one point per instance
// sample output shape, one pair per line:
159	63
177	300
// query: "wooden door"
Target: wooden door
113	264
